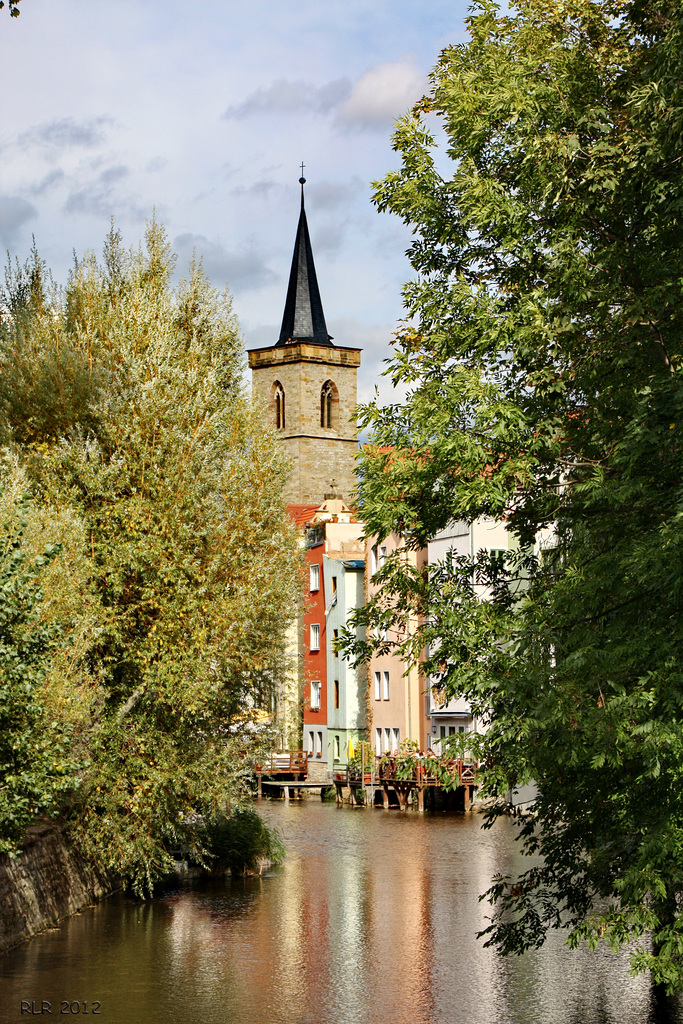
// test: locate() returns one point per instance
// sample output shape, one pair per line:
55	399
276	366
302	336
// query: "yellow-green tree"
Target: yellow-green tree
123	399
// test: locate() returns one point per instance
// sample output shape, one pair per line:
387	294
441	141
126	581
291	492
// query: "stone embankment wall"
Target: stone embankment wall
318	772
47	882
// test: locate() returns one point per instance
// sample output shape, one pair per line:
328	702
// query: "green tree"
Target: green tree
123	398
13	7
541	353
36	762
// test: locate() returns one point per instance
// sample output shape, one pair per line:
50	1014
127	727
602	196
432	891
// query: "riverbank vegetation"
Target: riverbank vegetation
542	356
241	842
149	564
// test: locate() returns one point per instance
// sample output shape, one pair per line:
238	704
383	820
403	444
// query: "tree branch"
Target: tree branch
130	704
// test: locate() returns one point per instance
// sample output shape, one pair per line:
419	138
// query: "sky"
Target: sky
204	111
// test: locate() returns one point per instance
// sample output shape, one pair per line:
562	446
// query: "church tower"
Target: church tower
309	387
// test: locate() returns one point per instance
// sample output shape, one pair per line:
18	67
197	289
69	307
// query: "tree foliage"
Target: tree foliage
241	842
13	7
123	403
541	352
37	765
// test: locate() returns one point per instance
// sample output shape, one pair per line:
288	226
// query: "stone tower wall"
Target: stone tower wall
319	454
320	466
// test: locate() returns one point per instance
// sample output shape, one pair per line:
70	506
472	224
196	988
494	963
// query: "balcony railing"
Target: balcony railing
286	762
418	771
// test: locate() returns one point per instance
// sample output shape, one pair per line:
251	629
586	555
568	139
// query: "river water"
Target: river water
372	919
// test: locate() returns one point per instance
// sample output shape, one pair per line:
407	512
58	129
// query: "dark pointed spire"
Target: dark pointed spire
303	319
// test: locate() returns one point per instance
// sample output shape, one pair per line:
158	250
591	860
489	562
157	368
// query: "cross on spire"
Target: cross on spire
302	182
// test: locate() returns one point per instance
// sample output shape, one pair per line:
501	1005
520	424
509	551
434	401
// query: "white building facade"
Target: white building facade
451	717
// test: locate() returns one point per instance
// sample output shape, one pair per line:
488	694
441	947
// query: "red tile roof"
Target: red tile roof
301	514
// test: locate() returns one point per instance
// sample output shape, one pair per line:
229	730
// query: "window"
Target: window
378	557
319	745
378	741
387	741
386	686
378	685
336	634
327	399
497	556
336	748
311	744
336	693
397	739
461	728
315	696
278	399
334	585
315	637
314	536
451	730
315	577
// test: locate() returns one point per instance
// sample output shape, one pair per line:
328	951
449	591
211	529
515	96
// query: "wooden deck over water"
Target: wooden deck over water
287	772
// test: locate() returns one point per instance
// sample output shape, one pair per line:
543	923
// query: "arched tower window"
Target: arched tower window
277	403
329	404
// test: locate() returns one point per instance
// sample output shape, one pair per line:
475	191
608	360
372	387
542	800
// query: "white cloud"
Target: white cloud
46	182
300	81
157	163
99	198
262	187
65	132
240	270
375	100
331	195
382	94
287	96
14	211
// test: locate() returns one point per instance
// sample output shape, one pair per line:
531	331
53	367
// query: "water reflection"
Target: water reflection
371	919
